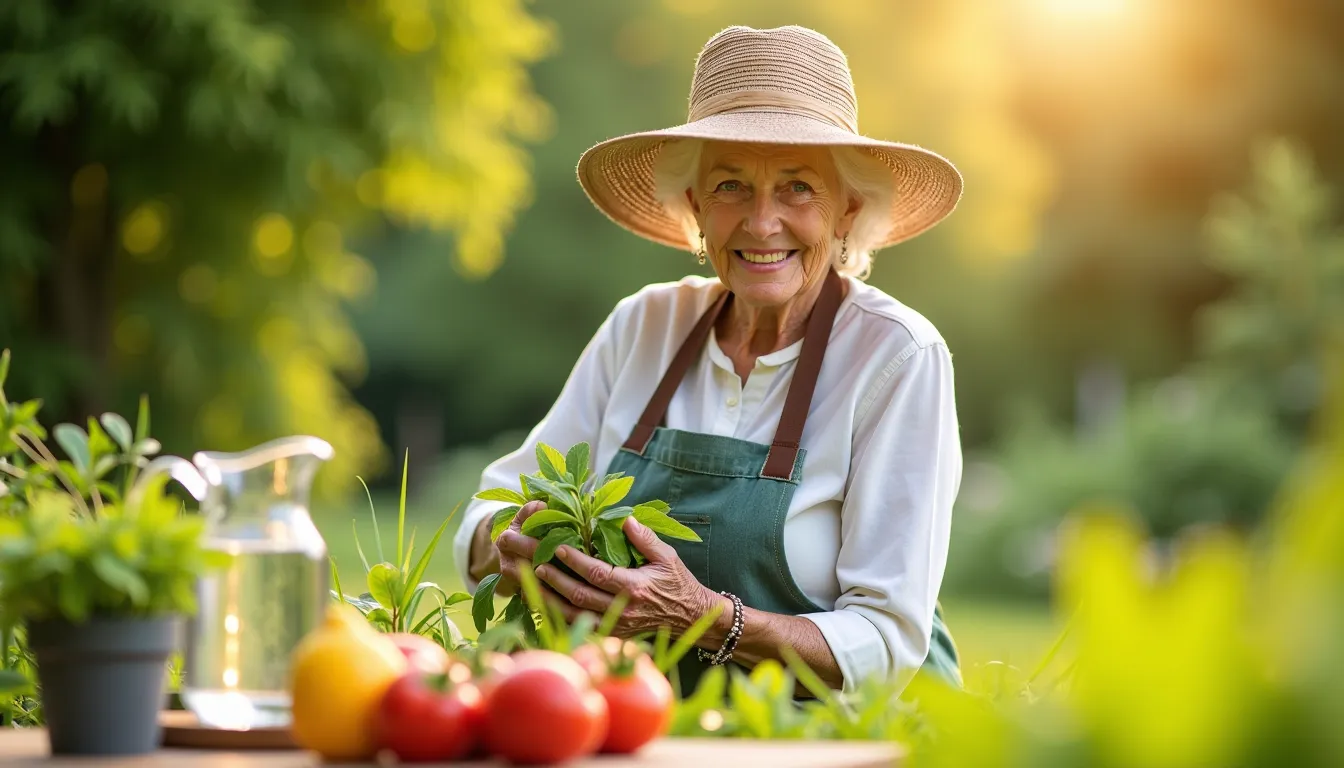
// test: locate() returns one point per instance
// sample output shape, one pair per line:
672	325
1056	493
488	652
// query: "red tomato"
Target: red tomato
544	714
420	723
596	659
423	654
559	662
640	703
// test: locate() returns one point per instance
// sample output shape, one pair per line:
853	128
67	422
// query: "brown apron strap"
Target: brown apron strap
676	371
789	434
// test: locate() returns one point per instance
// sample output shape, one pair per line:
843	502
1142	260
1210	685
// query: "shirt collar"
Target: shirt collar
773	360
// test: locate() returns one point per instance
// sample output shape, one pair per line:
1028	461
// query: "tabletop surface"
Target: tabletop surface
28	746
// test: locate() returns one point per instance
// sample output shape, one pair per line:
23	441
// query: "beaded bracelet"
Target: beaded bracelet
725	654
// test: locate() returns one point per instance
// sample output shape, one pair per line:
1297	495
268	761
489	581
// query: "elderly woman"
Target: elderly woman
799	420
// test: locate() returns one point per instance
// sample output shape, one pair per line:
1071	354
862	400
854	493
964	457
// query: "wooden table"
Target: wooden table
28	746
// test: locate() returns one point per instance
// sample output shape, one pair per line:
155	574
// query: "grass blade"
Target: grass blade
358	548
413	577
377	537
532	591
612	615
401	510
807	676
336	579
688	639
410	547
483	602
1054	650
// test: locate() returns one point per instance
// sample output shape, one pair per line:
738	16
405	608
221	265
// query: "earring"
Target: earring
701	253
844	248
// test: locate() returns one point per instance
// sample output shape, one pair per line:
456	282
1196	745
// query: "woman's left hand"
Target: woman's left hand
661	593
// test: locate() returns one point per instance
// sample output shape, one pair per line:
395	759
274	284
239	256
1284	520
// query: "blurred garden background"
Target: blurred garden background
359	219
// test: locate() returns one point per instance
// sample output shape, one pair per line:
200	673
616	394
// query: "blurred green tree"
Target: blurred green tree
181	181
1213	445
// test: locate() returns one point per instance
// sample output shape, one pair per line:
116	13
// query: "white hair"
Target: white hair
860	175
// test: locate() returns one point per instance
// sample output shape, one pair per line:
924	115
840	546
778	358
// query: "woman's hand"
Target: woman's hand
515	549
661	593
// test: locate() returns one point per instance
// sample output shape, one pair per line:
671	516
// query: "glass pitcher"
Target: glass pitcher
251	615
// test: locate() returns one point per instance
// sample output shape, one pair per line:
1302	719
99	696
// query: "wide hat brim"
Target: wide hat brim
618	174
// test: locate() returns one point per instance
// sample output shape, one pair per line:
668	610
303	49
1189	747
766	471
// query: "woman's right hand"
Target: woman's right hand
514	550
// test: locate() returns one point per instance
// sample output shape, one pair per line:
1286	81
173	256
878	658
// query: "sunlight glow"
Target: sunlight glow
1086	9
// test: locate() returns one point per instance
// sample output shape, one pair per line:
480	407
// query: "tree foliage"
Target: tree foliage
182	181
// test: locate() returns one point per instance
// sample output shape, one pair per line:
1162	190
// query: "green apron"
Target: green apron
735	494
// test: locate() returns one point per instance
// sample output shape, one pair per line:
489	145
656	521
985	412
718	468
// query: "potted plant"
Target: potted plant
100	588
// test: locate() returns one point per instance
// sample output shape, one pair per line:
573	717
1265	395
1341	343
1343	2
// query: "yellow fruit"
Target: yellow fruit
339	673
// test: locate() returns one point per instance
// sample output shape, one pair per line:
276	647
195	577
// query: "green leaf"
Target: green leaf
616	513
558	495
104	465
119	430
401	508
419	570
100	445
385	585
411	603
612	492
546	517
507	635
336	579
749	704
380	618
551	463
456	597
483	601
75	443
502	520
426	622
502	494
406	560
13	682
364	603
664	525
548	629
358	548
377	537
518	622
72	596
657	504
142	420
4	371
120	576
546	549
617	546
576	461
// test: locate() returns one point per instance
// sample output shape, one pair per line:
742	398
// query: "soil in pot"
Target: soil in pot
103	682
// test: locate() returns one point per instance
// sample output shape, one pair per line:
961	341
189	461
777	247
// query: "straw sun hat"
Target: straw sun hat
788	85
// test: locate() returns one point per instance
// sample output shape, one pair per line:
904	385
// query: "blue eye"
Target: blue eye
800	187
728	186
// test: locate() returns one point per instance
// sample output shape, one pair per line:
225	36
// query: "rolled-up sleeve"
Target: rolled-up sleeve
575	417
905	472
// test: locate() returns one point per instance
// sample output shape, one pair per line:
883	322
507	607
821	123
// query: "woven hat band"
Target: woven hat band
771	100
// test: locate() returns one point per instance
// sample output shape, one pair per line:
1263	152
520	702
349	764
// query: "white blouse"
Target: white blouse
867	530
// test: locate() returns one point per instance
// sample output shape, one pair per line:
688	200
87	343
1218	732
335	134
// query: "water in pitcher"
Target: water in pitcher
251	616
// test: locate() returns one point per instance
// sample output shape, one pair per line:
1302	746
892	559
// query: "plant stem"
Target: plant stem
6	639
37	451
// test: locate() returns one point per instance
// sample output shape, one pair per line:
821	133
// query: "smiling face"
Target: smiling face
770	215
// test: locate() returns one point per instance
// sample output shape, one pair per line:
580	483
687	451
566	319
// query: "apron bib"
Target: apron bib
735	494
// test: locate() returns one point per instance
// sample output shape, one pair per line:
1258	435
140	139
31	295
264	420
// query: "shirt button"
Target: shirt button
732	402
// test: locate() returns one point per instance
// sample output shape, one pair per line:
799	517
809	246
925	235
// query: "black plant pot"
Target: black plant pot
103	682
